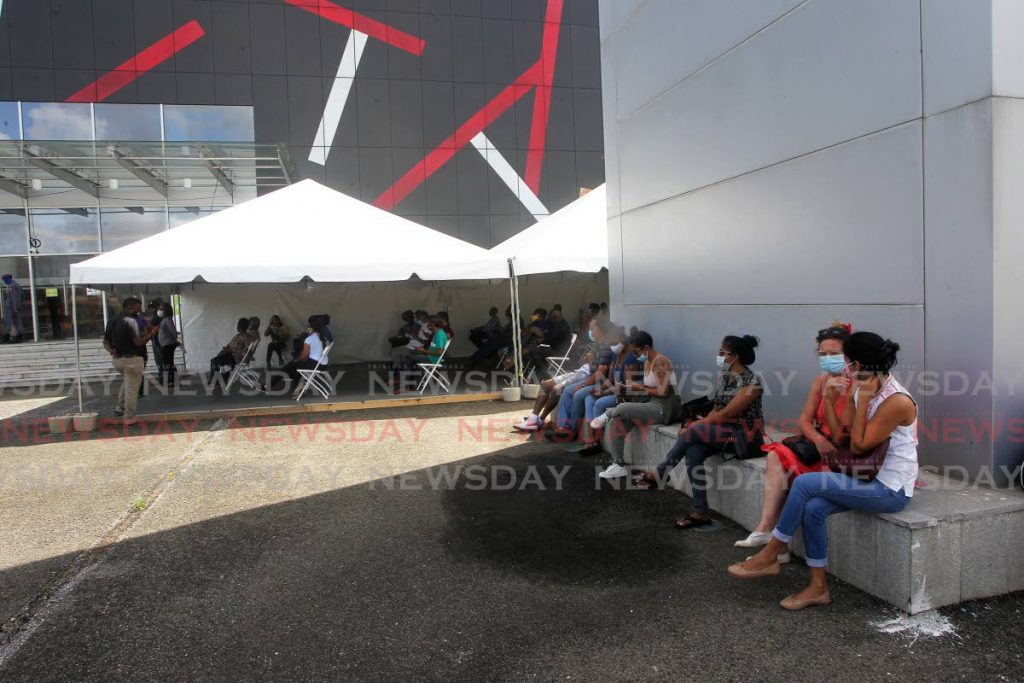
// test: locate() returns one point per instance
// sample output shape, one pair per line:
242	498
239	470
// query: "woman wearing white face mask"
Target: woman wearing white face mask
167	339
651	401
736	422
821	425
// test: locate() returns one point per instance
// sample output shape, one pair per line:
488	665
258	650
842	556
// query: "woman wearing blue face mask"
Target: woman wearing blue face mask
736	422
820	423
651	398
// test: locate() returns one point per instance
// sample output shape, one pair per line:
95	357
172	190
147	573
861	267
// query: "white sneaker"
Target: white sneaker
755	540
529	425
614	471
600	421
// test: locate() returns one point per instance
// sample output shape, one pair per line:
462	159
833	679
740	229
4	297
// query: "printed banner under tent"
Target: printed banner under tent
364	315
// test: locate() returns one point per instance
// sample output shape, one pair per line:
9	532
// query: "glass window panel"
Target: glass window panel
180	215
60	232
56	121
127	121
124	226
9	121
185	123
13	234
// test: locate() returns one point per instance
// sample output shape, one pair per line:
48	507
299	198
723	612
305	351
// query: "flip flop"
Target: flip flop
691	522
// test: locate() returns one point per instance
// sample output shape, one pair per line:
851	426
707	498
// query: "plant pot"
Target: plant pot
511	394
531	391
59	424
85	422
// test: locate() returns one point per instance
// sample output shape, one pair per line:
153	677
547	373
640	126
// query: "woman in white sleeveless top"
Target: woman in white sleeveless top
881	409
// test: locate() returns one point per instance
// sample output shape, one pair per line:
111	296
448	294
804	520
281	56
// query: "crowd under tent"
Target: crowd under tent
306	249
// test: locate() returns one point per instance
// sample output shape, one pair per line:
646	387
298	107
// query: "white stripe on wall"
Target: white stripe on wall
500	165
336	101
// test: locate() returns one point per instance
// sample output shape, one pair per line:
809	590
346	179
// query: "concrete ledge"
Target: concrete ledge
952	543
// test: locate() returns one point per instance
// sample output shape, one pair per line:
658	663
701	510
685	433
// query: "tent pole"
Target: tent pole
517	340
78	355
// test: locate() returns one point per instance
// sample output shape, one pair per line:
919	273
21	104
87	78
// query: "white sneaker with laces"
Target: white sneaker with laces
600	421
529	424
756	539
614	471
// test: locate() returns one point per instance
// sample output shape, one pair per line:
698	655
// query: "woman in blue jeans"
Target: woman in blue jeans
737	411
881	409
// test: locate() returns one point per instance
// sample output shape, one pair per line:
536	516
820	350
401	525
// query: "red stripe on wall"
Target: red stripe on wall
362	23
542	100
125	73
443	153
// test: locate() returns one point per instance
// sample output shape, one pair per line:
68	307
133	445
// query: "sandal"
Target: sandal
691	522
644	482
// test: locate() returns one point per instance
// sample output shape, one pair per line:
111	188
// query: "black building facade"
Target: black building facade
473	117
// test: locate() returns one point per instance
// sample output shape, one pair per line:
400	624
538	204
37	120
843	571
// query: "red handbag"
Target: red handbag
864	467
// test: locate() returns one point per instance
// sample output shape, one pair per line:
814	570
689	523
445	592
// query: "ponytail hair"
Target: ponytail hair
872	352
743	347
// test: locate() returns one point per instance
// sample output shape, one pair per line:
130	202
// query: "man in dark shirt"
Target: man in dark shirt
126	344
555	343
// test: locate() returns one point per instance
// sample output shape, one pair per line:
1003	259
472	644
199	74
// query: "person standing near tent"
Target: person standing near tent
126	343
14	331
53	306
167	340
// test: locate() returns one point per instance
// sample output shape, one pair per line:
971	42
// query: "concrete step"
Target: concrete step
952	543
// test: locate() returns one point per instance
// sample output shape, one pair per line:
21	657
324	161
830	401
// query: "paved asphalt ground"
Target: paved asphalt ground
312	559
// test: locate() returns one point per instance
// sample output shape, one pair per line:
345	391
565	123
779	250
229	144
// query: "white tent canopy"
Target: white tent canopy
301	231
574	238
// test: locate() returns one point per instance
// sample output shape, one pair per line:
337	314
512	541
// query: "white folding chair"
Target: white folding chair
432	372
316	378
557	363
243	370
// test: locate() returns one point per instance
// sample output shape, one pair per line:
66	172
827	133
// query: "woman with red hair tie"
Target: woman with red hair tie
820	423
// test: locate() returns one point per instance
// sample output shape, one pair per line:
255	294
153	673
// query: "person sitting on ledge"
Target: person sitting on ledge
570	409
232	354
550	393
606	394
736	421
820	423
650	402
881	409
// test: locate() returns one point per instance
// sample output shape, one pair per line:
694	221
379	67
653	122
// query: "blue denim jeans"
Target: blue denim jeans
565	404
816	495
596	405
697	444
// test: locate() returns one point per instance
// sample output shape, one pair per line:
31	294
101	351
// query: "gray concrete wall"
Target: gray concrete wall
774	165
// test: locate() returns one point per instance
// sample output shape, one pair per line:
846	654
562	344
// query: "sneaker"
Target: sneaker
614	471
600	421
131	422
528	425
118	413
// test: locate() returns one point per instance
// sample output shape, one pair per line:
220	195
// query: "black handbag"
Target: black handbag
696	409
805	451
